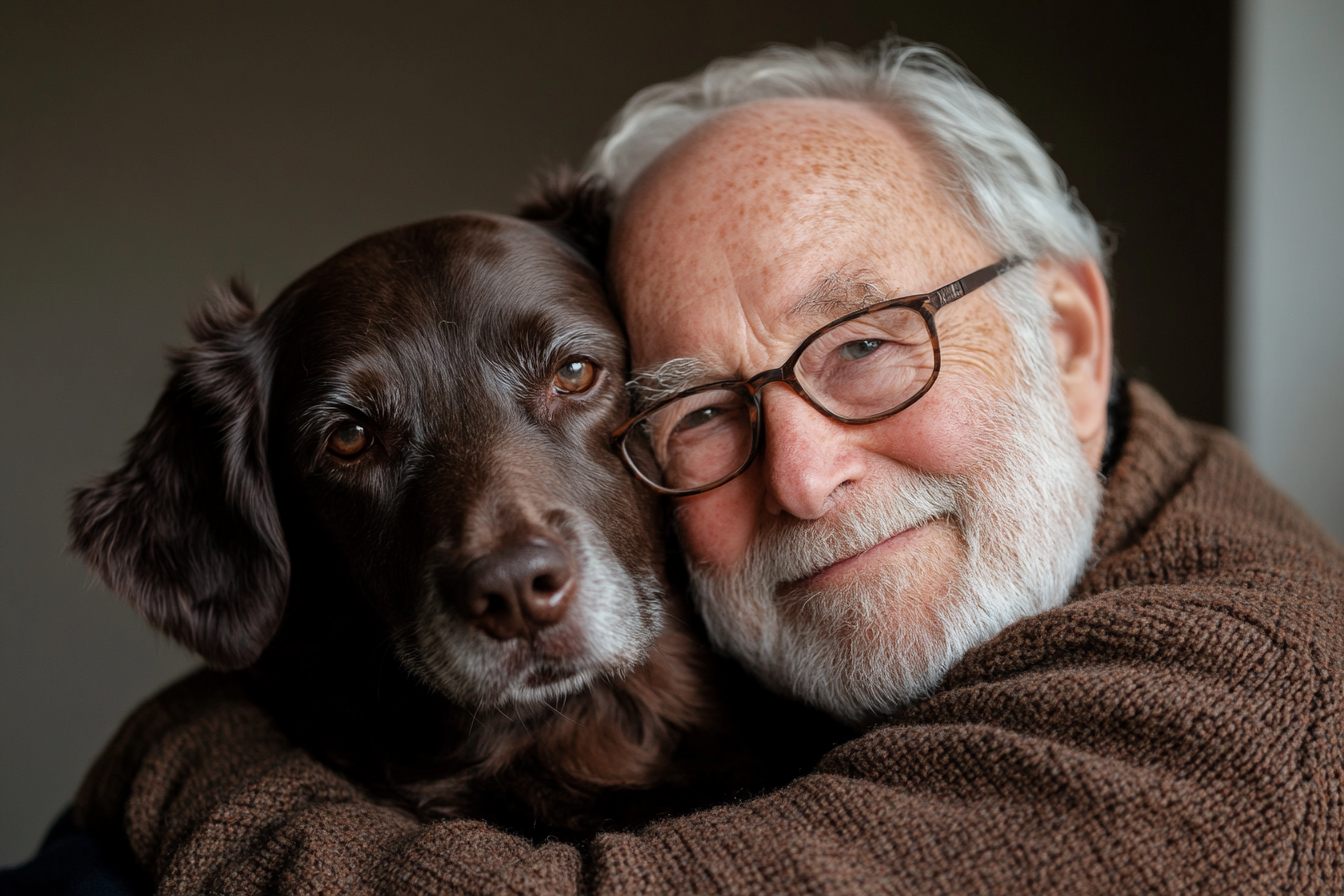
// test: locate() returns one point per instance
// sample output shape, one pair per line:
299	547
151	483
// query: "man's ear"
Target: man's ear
1081	332
187	530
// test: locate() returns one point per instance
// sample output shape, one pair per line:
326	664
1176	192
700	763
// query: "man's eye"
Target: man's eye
697	418
573	376
349	440
853	351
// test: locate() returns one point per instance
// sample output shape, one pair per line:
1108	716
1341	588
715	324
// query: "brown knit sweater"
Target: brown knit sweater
1175	728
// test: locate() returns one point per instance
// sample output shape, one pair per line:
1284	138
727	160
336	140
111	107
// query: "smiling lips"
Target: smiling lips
900	541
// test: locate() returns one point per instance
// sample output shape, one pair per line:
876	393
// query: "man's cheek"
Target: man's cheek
933	436
717	527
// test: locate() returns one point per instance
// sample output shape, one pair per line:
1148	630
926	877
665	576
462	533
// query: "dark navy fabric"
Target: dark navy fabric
72	862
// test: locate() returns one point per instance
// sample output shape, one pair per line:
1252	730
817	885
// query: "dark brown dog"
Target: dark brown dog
392	497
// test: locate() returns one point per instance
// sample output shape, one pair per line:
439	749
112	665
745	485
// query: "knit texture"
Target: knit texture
1176	727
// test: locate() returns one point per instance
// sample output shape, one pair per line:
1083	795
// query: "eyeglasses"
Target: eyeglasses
861	368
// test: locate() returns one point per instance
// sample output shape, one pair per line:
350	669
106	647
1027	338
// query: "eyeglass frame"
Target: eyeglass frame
926	304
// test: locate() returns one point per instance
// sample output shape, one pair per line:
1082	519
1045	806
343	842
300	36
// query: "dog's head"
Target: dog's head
420	425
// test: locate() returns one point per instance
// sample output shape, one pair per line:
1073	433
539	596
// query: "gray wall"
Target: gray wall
147	149
1287	373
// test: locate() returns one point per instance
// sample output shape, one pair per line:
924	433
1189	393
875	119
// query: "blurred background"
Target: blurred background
148	148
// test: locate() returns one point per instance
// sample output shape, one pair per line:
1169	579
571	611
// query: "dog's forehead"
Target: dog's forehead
470	258
466	274
420	312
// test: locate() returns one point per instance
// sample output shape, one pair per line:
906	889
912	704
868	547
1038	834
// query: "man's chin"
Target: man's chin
857	644
862	634
860	650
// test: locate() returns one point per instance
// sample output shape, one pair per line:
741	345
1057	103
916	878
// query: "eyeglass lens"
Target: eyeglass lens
859	369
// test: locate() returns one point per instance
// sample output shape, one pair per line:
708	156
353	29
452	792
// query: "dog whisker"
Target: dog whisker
555	709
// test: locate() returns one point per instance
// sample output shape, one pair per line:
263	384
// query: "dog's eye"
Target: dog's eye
574	375
349	440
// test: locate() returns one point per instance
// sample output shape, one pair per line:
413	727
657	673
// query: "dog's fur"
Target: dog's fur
352	588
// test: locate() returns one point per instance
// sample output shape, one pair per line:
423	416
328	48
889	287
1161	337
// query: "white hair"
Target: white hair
1000	179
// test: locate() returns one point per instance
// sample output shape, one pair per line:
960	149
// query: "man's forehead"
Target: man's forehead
768	222
814	157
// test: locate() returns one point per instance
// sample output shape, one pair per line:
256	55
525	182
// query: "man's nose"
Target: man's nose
807	457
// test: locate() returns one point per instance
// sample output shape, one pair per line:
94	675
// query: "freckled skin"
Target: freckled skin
730	228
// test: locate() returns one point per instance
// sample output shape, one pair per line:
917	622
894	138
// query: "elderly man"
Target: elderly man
1093	650
887	520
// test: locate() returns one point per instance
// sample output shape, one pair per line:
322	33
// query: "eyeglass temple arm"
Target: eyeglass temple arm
972	281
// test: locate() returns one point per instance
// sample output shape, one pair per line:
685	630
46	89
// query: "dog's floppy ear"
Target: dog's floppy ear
187	530
578	208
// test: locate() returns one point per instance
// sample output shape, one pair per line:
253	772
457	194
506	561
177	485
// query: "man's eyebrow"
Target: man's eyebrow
837	293
648	385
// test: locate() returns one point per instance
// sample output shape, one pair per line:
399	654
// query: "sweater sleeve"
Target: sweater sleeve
1127	756
212	798
1155	739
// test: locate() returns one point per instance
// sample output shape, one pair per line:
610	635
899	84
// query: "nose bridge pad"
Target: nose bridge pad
760	395
797	393
801	471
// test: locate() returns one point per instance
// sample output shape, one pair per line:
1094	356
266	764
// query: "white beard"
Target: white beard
1024	516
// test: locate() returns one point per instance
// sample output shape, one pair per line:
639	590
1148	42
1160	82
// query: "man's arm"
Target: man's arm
1151	739
211	797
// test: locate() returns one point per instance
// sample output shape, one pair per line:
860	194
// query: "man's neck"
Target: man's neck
1117	421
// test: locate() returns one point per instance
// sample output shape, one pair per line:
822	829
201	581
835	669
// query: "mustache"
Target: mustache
791	549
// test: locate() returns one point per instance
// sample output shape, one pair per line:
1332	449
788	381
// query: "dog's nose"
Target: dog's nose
517	591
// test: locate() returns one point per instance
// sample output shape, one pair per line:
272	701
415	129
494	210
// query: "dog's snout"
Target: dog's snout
516	591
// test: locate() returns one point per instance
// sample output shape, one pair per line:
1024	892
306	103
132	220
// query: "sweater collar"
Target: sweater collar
1153	457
